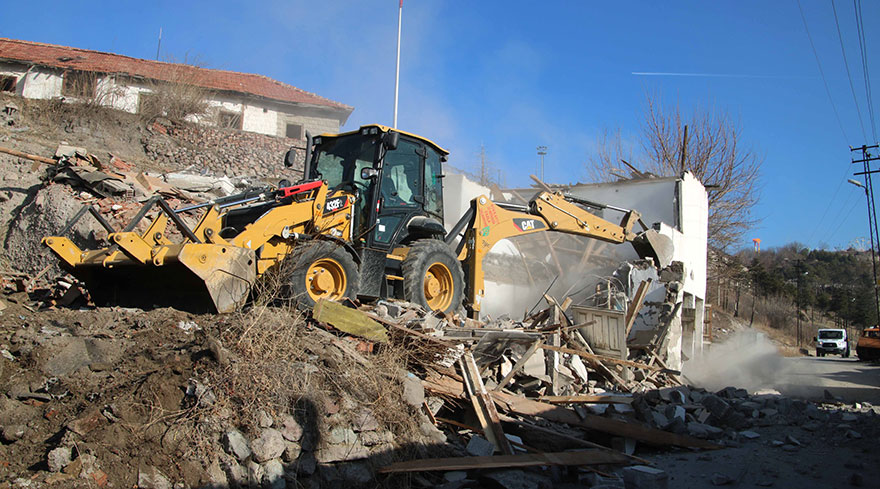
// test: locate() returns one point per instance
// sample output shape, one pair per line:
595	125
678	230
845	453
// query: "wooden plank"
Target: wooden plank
519	365
27	156
587	398
572	439
483	404
600	358
582	457
481	432
448	386
633	310
651	436
348	320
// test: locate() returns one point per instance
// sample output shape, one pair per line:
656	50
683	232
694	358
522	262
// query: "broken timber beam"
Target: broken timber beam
450	387
587	398
582	457
633	310
519	365
483	405
600	358
651	436
27	156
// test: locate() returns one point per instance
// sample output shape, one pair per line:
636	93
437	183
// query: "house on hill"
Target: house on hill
243	101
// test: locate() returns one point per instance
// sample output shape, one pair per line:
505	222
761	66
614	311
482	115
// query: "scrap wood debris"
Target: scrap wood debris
491	387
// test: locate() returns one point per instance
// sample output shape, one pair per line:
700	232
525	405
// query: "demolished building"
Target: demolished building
602	279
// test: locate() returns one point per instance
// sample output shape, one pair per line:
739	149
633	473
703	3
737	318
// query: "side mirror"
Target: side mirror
390	140
369	173
289	158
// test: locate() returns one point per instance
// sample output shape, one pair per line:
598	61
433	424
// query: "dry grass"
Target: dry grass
282	364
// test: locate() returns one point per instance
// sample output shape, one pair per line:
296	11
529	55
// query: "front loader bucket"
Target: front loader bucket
200	278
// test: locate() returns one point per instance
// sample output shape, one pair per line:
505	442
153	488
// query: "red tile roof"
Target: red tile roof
86	60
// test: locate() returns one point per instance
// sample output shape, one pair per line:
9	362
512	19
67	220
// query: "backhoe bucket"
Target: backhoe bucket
651	244
198	278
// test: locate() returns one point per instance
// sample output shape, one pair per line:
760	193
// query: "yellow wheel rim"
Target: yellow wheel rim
439	287
326	279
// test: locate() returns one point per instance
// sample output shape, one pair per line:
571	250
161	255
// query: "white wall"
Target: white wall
458	192
41	84
260	120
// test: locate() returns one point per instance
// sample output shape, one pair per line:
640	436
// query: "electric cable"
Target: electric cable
848	74
821	72
857	5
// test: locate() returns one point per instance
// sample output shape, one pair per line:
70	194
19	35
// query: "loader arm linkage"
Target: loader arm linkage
219	259
488	222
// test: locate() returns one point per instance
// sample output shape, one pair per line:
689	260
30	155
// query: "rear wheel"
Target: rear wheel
432	276
321	270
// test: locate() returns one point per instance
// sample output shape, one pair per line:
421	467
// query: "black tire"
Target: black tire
819	353
321	257
435	259
846	352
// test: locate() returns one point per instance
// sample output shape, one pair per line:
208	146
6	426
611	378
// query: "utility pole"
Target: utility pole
542	151
397	71
866	159
159	45
798	296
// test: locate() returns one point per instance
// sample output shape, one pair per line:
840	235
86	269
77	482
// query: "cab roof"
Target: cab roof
384	129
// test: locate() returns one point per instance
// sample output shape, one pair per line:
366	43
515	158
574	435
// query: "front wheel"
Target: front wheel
320	270
432	276
846	353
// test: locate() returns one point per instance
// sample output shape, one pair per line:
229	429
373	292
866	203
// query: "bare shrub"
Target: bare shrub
284	365
180	96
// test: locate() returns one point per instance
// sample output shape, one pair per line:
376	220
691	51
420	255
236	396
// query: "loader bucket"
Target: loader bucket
199	278
651	244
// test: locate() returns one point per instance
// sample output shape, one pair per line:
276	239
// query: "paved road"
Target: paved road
844	377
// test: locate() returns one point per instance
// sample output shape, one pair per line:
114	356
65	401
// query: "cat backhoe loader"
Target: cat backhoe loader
365	221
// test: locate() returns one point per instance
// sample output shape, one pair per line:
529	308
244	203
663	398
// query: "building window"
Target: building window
78	84
294	131
229	120
7	83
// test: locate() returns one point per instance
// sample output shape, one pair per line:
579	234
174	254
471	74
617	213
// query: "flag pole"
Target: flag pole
397	73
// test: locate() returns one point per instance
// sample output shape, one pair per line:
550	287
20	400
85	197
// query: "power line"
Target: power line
841	221
828	207
821	72
848	75
857	5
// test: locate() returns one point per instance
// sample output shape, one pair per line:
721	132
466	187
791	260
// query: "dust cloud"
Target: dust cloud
747	359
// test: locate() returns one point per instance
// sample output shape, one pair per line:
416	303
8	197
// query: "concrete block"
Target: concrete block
479	446
644	477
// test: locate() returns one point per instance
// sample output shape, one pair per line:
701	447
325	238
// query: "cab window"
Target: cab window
401	176
434	184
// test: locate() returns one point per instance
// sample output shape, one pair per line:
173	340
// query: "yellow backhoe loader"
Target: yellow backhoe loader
365	221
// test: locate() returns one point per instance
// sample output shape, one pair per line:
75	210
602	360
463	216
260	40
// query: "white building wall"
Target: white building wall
42	84
458	192
260	120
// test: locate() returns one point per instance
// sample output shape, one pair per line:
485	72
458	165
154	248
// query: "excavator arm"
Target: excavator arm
488	222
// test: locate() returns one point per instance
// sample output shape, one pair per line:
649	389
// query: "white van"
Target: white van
832	341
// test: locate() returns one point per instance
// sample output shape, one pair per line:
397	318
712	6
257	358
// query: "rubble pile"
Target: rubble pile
219	151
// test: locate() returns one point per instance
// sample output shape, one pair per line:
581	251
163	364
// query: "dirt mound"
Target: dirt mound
135	397
46	214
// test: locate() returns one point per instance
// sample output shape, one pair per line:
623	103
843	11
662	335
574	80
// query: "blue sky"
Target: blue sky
514	75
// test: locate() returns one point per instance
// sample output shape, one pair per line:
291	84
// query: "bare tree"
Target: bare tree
706	143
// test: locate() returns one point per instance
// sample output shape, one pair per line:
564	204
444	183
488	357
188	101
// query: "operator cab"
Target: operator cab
396	180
